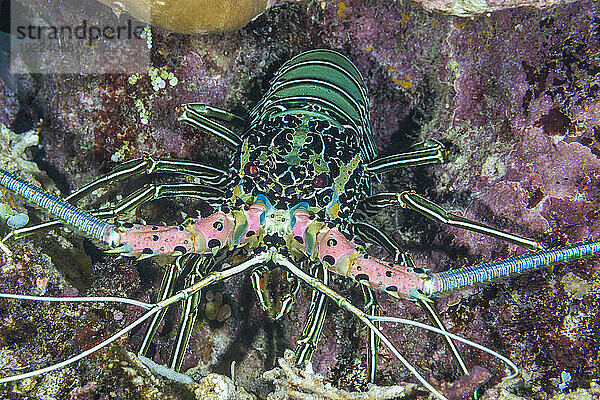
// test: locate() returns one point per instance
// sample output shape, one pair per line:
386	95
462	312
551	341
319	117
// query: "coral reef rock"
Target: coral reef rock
193	16
472	8
293	383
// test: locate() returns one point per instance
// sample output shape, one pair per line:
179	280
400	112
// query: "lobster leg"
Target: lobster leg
413	201
428	307
428	152
156	191
257	277
166	290
307	342
217	113
150	165
201	265
194	266
367	233
371	308
276	308
197	115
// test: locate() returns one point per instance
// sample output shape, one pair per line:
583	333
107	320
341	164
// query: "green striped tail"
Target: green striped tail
327	81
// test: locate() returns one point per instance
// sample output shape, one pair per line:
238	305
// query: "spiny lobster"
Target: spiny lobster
294	198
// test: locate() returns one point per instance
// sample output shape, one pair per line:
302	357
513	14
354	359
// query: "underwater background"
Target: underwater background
512	88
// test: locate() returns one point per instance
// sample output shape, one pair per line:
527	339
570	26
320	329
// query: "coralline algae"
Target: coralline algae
514	95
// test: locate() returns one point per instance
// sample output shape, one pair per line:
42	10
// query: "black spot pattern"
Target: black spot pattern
180	249
214	243
329	259
391	289
362	277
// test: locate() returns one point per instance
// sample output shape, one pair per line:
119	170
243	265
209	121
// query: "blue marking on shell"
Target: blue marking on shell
303	205
262	199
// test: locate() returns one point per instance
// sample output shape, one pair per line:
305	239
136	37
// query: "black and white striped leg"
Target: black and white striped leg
217	113
213	176
410	200
210	195
194	267
201	265
307	342
430	310
202	117
279	301
370	234
259	284
428	152
165	290
371	308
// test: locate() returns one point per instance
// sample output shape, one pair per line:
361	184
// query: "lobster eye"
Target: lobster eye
251	169
320	181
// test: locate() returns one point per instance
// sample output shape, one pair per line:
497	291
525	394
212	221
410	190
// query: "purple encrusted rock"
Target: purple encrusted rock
514	96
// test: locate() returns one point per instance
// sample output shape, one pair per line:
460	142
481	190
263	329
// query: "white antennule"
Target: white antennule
211	278
152	309
509	363
364	318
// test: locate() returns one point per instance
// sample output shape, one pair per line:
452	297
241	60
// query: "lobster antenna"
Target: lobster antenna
211	278
508	362
96	228
3	247
455	279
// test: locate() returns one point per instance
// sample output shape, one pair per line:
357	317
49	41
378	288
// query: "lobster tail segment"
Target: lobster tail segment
323	82
468	276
